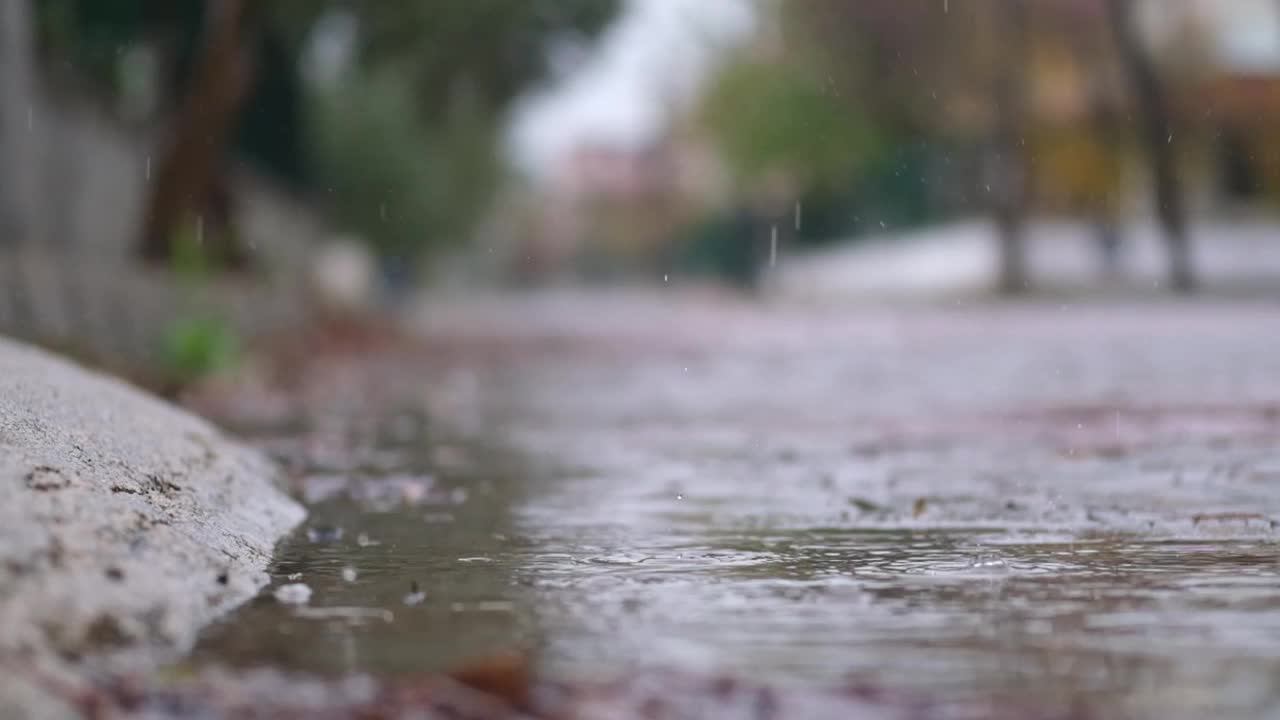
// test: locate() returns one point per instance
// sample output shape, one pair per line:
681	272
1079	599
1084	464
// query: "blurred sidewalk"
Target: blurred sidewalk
960	259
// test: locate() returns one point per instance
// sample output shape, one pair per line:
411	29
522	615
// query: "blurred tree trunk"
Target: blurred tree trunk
16	88
1157	134
191	188
1008	168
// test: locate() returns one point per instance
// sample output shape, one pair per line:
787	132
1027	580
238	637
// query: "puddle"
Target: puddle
714	521
966	612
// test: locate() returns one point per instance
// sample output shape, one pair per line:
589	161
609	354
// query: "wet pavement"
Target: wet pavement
1069	508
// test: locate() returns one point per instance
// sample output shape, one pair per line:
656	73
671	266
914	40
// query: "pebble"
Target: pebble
293	594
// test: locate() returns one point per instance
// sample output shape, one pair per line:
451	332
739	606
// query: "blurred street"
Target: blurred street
1009	496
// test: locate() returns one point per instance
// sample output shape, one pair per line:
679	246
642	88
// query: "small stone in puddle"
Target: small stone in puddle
415	596
324	533
293	594
349	574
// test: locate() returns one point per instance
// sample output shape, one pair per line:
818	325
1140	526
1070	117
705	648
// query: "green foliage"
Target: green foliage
404	151
497	48
198	346
771	118
191	261
89	34
406	187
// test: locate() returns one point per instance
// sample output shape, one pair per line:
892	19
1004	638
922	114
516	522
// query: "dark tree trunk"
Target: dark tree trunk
16	58
191	188
1007	168
1157	135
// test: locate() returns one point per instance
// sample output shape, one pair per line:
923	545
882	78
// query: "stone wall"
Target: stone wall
68	275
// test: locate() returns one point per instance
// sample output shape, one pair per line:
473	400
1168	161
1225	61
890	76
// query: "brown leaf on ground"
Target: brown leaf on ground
506	676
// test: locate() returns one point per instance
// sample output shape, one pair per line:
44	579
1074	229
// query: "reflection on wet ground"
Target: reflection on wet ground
967	557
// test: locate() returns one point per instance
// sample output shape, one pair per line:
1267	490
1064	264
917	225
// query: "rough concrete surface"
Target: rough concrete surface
125	525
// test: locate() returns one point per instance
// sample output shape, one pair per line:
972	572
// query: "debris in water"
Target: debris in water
324	533
293	594
352	614
349	574
415	596
919	506
363	540
865	505
412	492
505	676
1244	517
293	577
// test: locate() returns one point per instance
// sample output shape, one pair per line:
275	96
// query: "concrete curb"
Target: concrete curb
125	526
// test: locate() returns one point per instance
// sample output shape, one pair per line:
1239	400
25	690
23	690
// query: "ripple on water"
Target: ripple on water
959	609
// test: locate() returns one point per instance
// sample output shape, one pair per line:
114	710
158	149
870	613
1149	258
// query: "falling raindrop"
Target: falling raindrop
148	168
798	212
773	247
415	596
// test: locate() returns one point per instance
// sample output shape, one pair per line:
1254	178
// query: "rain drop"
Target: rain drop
415	596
